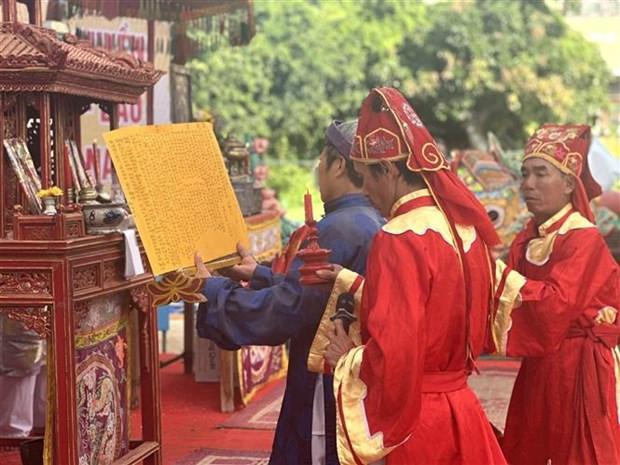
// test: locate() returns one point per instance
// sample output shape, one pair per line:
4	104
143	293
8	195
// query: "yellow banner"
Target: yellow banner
177	186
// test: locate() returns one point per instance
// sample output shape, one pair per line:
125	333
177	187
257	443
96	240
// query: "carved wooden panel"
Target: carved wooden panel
81	309
37	233
32	100
73	230
25	282
113	272
85	277
10	116
10	199
37	319
106	107
140	298
9	130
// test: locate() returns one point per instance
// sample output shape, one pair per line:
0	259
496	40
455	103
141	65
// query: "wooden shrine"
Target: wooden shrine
66	285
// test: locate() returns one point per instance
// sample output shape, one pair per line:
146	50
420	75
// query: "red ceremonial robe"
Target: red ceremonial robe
403	393
563	406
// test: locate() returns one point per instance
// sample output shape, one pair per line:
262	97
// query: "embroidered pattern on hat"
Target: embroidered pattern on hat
554	144
381	142
556	134
433	156
415	119
573	161
378	144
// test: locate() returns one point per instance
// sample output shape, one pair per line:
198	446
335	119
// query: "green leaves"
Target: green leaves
309	63
468	67
505	67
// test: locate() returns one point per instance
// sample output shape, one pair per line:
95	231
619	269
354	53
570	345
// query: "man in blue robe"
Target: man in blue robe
277	308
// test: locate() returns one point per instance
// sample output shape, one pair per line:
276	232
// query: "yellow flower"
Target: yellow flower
53	191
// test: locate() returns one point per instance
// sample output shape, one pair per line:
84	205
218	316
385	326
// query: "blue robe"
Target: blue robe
277	308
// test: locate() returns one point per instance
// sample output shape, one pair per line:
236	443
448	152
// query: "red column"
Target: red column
149	380
63	347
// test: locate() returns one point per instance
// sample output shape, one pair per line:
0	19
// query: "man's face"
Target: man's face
545	188
377	189
325	177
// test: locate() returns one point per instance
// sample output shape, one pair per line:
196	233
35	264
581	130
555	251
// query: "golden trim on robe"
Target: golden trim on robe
539	249
615	352
344	282
542	229
354	442
421	219
508	300
406	198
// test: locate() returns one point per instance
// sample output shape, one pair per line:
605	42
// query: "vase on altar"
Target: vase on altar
49	205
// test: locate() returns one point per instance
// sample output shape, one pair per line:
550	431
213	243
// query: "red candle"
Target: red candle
68	176
308	207
96	161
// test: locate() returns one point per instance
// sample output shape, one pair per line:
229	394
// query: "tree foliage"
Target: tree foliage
310	62
468	67
504	67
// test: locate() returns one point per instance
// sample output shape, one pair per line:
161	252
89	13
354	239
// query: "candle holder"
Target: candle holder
70	195
88	194
314	258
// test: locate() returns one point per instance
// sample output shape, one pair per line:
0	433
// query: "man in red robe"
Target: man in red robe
558	304
401	391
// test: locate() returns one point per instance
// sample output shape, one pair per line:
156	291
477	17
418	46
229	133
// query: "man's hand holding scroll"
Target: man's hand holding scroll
201	269
244	270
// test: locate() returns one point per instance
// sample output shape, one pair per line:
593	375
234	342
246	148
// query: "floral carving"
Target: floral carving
85	277
25	282
36	319
72	230
36	232
84	107
80	309
106	107
113	272
140	298
53	53
38	48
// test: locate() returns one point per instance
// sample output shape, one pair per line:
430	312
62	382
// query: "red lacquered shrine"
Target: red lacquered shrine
57	280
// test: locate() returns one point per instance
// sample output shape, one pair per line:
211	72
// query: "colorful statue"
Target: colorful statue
496	186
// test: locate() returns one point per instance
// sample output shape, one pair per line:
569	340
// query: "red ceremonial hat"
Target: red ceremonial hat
566	147
389	129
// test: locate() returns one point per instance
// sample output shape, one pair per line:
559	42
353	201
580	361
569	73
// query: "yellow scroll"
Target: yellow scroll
177	186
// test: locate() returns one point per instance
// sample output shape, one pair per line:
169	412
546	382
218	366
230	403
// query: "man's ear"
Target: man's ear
570	184
341	167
